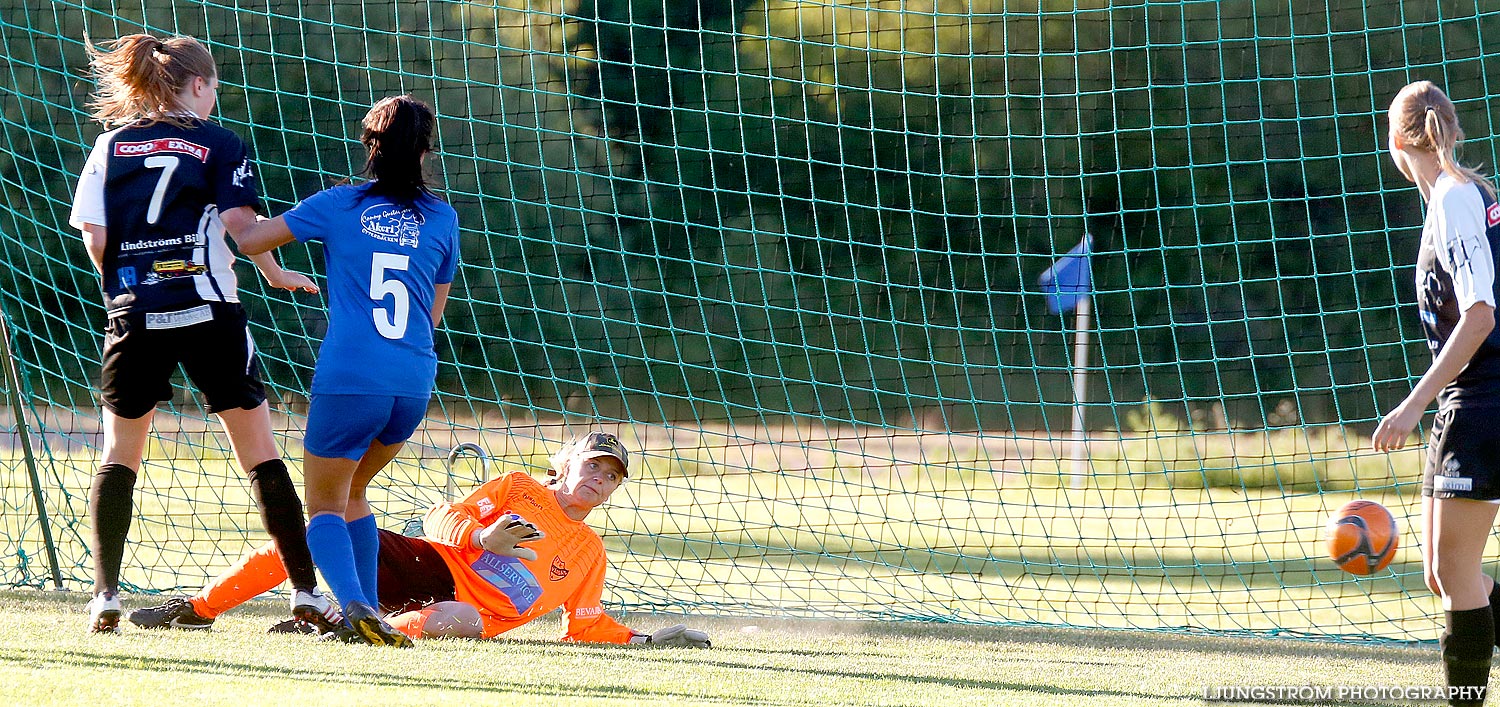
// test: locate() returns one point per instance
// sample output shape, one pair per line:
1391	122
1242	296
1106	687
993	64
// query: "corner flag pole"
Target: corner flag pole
1069	285
1080	450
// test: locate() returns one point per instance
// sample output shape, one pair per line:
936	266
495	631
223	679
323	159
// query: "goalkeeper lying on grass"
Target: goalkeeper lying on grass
512	551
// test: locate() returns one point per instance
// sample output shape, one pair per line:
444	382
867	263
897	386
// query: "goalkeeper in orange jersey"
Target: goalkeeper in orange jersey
512	551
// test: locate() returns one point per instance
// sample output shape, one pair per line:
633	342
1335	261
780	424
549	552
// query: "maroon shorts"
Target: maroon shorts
412	574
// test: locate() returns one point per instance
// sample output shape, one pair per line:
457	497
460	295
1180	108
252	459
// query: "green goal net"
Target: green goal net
791	251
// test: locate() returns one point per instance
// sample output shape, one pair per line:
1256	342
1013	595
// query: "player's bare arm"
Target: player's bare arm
94	239
279	277
1474	325
253	234
439	301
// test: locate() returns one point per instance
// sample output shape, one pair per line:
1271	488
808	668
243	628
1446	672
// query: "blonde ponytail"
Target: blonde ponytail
1426	119
141	76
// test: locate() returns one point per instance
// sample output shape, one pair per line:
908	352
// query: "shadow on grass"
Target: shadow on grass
1169	638
825	662
1048	637
1090	564
42	658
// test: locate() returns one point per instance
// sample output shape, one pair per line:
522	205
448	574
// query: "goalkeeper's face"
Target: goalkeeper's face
589	480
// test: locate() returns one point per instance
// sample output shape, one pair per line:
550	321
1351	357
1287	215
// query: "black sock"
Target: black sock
110	509
1467	644
281	513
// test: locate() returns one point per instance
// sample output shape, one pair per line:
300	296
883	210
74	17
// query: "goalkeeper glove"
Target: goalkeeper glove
504	537
676	636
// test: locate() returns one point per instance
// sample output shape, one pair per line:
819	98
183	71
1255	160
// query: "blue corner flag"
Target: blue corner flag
1069	279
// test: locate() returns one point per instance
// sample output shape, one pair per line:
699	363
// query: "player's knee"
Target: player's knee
452	619
1449	578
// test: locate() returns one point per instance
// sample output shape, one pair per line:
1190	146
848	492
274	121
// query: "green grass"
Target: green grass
709	523
47	659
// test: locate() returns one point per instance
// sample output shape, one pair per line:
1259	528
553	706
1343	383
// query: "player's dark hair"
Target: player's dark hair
141	76
1426	119
398	132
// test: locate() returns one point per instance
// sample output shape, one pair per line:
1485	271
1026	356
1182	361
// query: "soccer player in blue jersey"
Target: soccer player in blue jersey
1456	268
154	200
391	248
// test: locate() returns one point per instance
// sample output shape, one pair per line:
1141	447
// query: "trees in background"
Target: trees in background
684	210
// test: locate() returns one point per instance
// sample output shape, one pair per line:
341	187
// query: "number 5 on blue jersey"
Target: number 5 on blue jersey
389	266
390	323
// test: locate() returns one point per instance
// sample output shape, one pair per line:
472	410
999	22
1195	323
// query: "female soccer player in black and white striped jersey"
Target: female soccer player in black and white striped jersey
1456	299
153	203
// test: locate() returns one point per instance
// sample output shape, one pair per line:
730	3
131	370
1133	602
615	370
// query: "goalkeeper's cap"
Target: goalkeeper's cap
592	446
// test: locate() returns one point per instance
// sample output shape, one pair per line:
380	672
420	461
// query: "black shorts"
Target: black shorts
1463	457
412	574
212	343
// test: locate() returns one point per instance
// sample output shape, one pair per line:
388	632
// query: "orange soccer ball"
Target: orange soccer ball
1362	537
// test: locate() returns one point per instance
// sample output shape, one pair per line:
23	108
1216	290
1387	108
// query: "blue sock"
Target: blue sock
333	553
366	540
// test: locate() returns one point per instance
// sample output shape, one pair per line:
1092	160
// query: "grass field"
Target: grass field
830	524
1162	537
46	660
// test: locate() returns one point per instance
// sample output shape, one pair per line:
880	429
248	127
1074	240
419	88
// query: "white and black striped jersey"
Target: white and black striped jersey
1456	269
157	189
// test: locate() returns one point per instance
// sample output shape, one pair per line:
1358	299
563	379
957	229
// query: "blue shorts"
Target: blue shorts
343	426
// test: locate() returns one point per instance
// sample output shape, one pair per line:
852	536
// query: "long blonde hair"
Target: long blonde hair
141	76
1425	118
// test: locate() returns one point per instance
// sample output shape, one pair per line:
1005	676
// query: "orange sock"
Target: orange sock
255	574
411	622
445	619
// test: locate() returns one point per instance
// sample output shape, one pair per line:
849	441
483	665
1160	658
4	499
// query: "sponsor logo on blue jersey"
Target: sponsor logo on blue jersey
511	577
126	276
392	224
